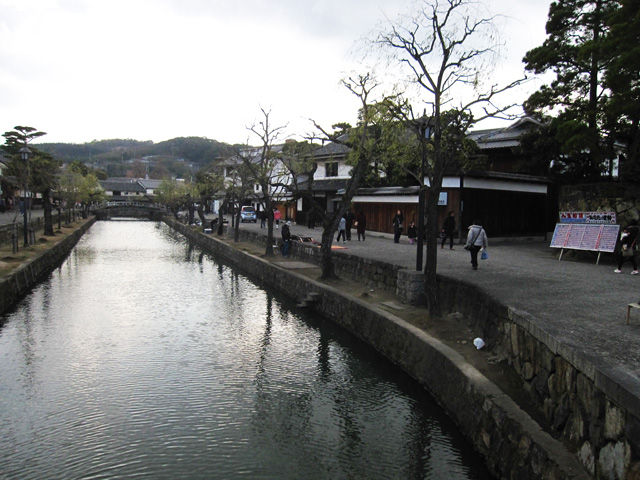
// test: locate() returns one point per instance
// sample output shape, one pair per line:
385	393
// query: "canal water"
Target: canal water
142	357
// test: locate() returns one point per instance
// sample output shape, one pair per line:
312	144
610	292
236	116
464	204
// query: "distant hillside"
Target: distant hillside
198	150
115	156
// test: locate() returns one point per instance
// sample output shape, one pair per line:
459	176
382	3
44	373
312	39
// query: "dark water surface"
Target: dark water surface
143	358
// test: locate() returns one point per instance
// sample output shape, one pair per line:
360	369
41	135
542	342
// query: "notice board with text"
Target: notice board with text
599	238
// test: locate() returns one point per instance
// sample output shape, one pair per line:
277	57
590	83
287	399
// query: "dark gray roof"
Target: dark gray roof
326	185
332	149
503	137
150	183
507	176
413	190
117	185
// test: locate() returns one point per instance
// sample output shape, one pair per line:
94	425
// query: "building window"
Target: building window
331	169
257	188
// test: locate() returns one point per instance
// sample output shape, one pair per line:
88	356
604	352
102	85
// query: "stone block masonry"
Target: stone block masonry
513	444
594	411
16	285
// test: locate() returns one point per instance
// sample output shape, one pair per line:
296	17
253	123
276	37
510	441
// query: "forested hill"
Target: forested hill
196	150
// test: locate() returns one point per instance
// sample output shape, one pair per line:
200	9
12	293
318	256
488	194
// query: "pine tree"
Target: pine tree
574	51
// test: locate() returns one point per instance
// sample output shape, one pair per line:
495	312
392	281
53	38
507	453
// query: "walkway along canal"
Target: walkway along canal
142	356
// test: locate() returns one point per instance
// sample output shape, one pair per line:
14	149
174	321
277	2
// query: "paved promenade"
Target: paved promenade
579	303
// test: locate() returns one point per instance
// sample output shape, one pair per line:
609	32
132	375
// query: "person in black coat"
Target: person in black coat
286	239
627	249
361	226
397	226
448	227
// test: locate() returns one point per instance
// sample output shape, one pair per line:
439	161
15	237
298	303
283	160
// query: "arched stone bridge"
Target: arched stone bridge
107	210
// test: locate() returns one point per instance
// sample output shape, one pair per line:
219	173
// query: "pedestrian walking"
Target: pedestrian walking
397	226
448	227
361	224
627	249
412	233
263	218
342	227
277	216
286	238
476	239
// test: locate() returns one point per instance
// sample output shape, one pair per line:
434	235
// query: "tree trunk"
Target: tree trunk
48	220
431	264
201	212
595	155
221	218
326	260
191	210
269	247
236	228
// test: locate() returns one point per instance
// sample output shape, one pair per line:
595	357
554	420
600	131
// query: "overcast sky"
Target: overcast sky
157	69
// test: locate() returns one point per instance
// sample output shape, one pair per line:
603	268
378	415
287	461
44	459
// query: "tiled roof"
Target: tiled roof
150	183
326	185
120	186
502	137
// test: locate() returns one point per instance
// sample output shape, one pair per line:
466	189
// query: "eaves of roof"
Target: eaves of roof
326	185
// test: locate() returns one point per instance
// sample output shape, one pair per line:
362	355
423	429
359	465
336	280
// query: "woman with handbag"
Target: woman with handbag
627	250
476	239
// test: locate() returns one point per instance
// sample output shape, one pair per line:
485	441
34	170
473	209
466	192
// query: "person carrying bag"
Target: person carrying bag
627	250
476	240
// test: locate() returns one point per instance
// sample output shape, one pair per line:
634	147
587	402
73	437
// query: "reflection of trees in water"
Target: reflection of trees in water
282	414
28	345
324	351
189	252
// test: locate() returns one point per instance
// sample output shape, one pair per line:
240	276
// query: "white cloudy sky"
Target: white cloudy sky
157	69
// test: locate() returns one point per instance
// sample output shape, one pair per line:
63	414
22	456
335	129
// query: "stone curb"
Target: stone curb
17	284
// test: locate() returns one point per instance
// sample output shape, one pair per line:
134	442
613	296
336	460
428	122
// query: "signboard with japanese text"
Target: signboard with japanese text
588	217
599	238
560	235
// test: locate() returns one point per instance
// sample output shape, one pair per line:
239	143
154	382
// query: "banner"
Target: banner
588	217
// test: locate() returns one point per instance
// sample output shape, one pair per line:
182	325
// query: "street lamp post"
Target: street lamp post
24	155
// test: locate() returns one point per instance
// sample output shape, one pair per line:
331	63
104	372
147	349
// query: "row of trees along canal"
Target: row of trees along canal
589	109
34	171
392	139
445	49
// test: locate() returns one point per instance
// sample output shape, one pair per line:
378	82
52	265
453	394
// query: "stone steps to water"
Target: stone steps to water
309	300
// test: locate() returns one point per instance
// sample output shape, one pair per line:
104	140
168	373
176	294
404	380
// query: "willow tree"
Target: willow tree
446	48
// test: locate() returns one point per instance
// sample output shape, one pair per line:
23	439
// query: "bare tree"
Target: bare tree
358	140
446	48
265	168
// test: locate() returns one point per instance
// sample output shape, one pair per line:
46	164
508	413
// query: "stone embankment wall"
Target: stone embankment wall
596	416
624	199
16	285
513	444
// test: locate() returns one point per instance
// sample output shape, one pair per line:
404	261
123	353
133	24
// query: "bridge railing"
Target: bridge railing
118	204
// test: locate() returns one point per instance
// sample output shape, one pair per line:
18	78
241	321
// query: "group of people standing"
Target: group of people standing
347	222
477	239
